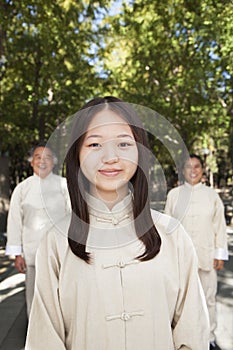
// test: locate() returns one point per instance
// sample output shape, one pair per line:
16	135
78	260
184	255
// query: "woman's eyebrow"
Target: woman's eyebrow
118	136
93	135
125	135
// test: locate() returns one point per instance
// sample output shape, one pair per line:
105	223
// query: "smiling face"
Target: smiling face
42	161
108	156
193	171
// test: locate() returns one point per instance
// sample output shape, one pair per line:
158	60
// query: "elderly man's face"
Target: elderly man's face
42	161
193	171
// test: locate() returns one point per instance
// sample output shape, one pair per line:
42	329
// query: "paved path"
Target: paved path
13	320
225	300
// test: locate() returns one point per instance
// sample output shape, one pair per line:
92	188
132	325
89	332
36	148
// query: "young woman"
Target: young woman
203	219
112	278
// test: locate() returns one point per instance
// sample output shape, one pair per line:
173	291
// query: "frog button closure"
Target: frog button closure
121	264
125	316
115	221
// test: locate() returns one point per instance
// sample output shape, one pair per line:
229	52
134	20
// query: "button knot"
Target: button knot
115	221
125	316
121	264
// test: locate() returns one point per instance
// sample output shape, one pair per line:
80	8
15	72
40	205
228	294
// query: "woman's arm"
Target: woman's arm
46	328
190	322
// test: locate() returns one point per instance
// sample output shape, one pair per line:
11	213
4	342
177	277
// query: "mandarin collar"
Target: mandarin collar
45	178
110	228
194	187
119	214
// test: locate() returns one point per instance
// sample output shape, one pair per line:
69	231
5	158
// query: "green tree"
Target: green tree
176	58
48	70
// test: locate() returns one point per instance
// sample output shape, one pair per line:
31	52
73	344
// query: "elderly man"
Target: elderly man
201	211
37	203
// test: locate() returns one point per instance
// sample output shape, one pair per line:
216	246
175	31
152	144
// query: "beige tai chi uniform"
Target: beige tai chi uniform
118	302
201	211
36	204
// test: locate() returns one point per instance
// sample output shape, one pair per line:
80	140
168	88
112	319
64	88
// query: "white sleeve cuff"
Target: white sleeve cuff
13	250
221	254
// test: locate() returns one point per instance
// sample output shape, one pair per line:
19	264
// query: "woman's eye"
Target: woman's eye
95	145
124	144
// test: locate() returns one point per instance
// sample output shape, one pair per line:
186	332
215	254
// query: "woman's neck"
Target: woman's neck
110	198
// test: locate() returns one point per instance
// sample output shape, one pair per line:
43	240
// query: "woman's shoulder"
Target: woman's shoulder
164	222
56	237
169	227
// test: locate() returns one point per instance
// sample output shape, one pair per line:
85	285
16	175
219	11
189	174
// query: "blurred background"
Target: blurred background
174	57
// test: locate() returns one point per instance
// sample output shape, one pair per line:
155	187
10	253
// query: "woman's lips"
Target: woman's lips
110	172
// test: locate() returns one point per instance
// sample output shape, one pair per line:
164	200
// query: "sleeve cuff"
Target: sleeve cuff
13	250
221	254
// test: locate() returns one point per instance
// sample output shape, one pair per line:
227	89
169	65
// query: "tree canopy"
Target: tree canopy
48	68
174	57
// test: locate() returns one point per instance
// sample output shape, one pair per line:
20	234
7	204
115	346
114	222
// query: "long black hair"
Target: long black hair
78	184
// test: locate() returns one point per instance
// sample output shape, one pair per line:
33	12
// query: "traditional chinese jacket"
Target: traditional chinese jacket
201	212
117	302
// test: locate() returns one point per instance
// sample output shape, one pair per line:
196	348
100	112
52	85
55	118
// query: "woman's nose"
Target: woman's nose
110	154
